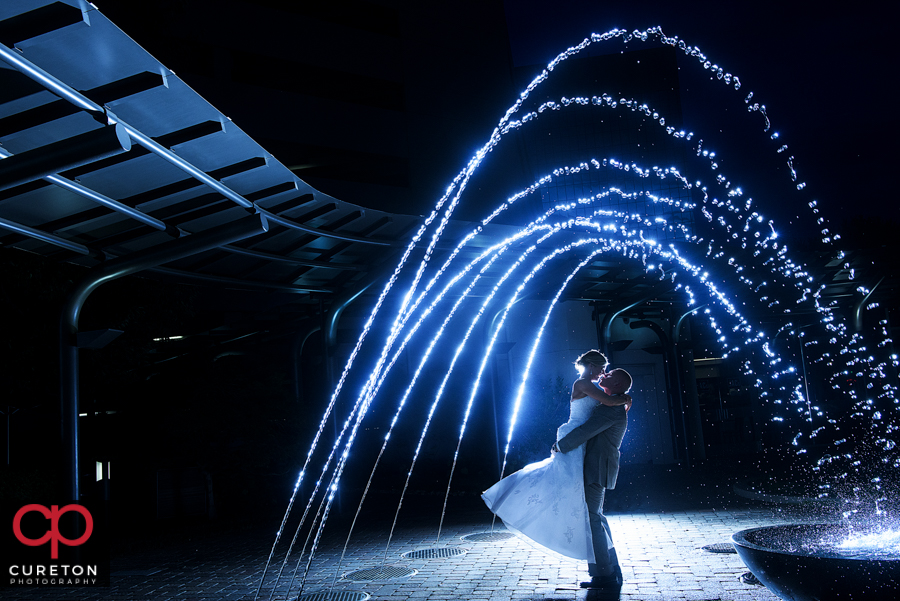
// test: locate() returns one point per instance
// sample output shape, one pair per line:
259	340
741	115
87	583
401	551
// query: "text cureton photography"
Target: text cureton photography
41	574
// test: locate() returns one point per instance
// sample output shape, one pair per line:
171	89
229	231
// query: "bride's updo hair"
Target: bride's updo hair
592	358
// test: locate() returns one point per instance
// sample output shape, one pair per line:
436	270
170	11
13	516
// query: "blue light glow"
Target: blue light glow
739	265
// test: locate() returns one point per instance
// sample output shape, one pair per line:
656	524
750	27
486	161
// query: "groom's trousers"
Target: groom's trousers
604	552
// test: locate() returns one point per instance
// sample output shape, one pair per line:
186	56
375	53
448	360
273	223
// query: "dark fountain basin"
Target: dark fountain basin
800	562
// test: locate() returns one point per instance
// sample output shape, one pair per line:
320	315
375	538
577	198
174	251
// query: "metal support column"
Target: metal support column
106	272
673	382
685	366
604	329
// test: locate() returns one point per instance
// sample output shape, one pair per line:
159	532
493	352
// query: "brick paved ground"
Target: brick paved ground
660	552
661	517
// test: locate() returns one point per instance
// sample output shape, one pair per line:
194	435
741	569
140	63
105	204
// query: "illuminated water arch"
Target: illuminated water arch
455	189
556	252
712	290
719	213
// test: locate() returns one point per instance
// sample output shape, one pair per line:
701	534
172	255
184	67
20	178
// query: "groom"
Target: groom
602	436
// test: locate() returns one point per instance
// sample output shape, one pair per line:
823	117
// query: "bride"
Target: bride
545	501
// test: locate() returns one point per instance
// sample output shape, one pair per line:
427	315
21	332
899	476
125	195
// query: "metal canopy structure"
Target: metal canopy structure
109	161
107	153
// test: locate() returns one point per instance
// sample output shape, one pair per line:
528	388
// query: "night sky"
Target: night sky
824	74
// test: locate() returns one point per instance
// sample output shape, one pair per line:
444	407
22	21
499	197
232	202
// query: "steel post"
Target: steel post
106	272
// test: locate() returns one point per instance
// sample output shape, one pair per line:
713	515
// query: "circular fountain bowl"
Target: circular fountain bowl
788	560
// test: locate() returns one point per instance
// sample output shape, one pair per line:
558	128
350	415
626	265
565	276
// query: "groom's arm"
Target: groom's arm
587	388
599	421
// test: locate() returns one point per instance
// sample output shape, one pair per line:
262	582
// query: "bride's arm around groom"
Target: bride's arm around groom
602	433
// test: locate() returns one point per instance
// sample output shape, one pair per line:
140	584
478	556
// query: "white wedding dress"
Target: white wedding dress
544	501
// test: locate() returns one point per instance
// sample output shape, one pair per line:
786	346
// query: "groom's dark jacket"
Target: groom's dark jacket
602	436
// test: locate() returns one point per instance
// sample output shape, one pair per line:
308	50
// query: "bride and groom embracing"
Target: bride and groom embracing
558	502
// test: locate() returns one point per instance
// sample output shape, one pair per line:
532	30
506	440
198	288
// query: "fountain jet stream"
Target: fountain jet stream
339	469
383	375
744	232
495	254
477	378
484	361
713	288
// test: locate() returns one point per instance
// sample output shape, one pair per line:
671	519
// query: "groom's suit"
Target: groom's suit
602	436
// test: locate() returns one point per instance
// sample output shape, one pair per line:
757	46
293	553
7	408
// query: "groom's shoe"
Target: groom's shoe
613	581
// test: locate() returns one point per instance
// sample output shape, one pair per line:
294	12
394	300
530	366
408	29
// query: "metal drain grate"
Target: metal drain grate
483	537
379	573
749	578
334	596
434	553
720	548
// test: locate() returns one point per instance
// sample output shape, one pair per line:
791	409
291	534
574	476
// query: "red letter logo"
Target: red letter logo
53	534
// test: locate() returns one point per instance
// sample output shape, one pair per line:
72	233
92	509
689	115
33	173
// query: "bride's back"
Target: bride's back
579	411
